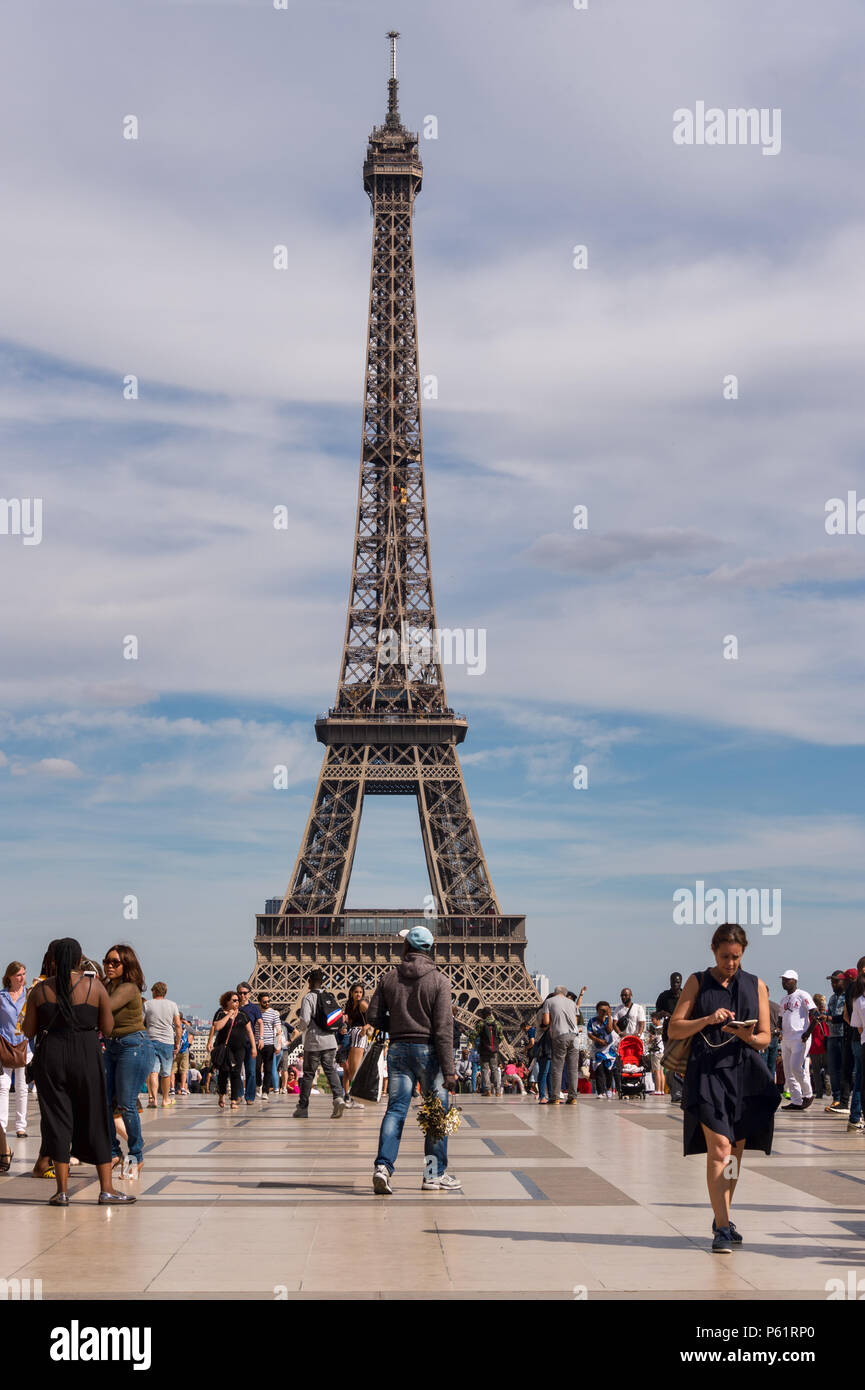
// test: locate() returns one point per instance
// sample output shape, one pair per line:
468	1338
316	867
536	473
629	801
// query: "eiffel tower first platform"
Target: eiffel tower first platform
391	731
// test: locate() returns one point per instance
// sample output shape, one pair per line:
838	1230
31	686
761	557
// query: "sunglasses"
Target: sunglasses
112	960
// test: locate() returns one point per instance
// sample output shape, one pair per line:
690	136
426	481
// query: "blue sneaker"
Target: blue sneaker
734	1234
722	1243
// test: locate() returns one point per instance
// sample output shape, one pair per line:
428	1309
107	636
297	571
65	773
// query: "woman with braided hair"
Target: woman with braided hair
63	1014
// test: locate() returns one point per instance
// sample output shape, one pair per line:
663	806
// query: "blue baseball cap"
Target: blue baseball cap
419	938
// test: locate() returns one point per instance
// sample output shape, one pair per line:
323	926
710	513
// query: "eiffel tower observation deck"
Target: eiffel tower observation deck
391	731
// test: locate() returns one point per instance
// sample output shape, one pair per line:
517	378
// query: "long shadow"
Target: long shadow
670	1244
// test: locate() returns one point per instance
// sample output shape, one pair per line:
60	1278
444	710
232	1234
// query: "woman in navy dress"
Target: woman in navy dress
729	1098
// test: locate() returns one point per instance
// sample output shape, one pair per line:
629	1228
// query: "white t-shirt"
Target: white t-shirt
857	1013
635	1013
794	1013
159	1016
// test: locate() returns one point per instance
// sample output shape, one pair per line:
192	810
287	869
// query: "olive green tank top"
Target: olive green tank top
129	1018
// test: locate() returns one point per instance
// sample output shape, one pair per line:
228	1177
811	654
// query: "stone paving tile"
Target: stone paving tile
595	1195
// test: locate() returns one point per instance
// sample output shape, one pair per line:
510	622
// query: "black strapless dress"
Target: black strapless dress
728	1089
70	1083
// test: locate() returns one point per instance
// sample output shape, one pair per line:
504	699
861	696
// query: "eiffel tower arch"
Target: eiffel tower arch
391	731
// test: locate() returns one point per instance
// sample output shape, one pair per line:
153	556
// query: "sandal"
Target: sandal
221	1103
6	1161
49	1172
234	1105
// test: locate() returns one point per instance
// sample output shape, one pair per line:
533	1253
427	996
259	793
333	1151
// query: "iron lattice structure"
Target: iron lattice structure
391	731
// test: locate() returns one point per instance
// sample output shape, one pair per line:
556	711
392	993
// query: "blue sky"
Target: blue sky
556	387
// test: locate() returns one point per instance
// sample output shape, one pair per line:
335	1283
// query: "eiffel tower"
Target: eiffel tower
391	731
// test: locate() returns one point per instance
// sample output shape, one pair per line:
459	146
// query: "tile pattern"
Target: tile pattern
555	1200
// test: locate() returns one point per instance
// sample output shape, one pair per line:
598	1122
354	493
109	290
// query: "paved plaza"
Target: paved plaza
557	1201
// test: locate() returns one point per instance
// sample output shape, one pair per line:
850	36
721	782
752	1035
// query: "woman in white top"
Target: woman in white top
267	1027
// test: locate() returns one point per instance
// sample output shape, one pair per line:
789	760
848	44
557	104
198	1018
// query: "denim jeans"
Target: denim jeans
407	1063
127	1065
162	1058
249	1070
835	1053
856	1088
545	1066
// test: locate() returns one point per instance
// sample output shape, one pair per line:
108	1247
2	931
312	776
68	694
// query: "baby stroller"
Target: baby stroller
632	1056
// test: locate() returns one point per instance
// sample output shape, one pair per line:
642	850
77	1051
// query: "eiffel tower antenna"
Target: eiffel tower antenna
391	731
393	86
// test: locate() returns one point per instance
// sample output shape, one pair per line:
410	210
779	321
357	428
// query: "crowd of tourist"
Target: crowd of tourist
717	1046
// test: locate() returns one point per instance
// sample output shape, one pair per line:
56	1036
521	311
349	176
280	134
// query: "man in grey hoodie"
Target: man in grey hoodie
319	1050
412	1004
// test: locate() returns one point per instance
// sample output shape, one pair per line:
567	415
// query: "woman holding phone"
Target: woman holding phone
729	1098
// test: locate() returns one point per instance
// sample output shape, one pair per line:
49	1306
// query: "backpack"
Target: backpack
328	1014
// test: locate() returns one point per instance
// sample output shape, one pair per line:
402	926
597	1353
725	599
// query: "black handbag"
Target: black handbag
369	1078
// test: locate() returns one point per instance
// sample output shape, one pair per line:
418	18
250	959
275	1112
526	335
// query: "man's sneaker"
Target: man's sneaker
734	1234
555	1102
338	1108
301	1113
446	1183
722	1244
351	1104
855	1126
806	1103
791	1106
572	1100
381	1181
841	1112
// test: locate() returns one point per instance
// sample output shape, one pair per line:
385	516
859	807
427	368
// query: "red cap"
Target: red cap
852	974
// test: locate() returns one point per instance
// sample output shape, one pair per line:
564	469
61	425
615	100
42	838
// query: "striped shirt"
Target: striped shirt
269	1021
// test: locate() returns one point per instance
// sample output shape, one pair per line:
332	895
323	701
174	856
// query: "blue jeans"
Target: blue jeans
545	1066
407	1063
249	1066
127	1064
856	1088
835	1053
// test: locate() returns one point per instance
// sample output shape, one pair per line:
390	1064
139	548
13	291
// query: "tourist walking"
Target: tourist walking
798	1017
835	1006
819	1061
164	1029
229	1042
655	1051
666	1003
13	999
251	1076
319	1021
729	1099
180	1080
413	1002
127	1052
487	1037
356	1007
561	1019
854	1017
267	1026
63	1013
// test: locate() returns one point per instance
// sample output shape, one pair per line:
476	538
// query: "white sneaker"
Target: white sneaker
338	1108
447	1182
349	1103
381	1182
132	1170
